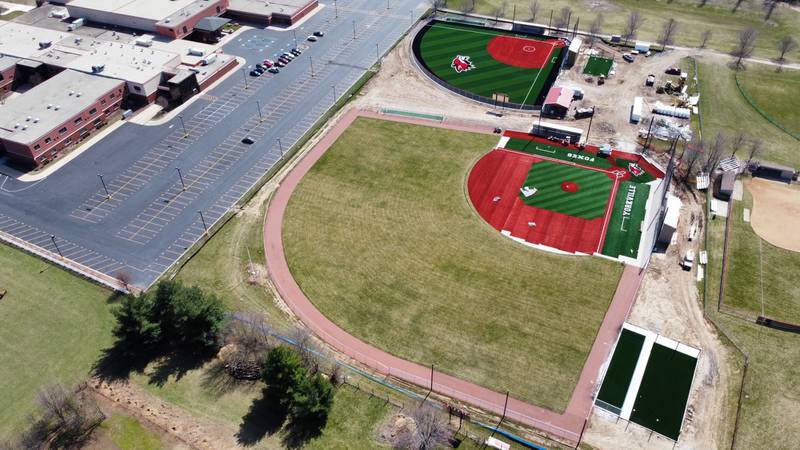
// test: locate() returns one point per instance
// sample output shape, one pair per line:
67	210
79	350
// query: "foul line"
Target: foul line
552	46
607	221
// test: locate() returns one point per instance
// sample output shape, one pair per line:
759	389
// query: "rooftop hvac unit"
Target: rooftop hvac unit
44	44
197	52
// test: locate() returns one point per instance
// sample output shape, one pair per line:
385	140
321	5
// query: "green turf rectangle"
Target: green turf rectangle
624	229
557	152
597	66
620	370
661	400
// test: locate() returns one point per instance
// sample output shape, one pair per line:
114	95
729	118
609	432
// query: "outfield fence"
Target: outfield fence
760	111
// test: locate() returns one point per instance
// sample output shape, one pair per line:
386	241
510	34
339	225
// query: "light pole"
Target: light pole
311	63
334	93
53	238
108	194
203	219
294	35
335	10
183	125
260	117
280	146
354	29
244	75
180	175
377	53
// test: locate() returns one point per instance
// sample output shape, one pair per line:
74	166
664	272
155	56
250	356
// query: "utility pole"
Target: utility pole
336	10
260	117
180	176
294	34
354	29
203	219
377	53
334	93
311	63
53	238
591	118
108	194
244	74
183	125
280	146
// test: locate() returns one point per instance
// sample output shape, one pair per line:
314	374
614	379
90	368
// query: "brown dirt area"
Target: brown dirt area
669	304
776	212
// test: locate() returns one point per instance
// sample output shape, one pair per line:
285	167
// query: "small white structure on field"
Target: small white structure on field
636	109
674	205
573	50
672	111
642	47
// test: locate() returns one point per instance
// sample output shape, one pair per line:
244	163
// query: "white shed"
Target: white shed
642	47
636	109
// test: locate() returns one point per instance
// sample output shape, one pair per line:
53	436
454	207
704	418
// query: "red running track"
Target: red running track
567	426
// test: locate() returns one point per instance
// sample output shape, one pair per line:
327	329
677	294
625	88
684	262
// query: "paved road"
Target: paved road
568	425
151	219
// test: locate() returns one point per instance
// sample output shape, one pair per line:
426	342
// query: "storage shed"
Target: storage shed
723	187
573	51
636	109
557	102
642	47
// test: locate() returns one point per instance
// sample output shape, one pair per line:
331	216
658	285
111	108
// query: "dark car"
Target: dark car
284	60
279	63
296	52
256	73
273	70
248	140
628	58
261	67
319	34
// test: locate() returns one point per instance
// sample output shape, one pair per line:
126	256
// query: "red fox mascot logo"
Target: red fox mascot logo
635	169
462	64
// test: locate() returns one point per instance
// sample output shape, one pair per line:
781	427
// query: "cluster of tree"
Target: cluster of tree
169	316
722	146
65	419
305	394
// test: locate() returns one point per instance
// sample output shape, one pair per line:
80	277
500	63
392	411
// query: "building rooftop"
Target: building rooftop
121	60
268	7
25	118
559	96
25	41
155	10
7	61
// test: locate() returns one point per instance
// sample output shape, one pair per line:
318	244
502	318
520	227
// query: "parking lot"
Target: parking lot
162	183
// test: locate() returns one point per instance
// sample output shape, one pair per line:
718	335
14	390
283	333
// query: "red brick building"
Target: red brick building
55	115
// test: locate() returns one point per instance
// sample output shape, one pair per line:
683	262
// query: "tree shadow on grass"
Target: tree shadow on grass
300	431
265	417
119	361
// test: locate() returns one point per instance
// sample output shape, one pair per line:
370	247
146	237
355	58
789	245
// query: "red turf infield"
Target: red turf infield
521	52
493	187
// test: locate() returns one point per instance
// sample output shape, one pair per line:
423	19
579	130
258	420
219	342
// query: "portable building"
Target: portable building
636	109
672	111
642	47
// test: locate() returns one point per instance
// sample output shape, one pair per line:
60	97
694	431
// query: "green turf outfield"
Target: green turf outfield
661	400
589	202
566	154
382	238
624	229
441	42
597	66
620	370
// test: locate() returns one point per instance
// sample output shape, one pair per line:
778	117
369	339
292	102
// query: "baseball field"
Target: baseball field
483	62
381	237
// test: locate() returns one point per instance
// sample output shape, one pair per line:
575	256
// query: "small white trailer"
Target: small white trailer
636	109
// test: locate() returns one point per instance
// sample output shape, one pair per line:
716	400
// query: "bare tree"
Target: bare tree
430	430
745	45
691	157
564	17
308	351
534	7
248	340
632	25
704	37
715	152
756	148
738	142
668	33
769	8
595	28
66	419
787	44
737	4
500	11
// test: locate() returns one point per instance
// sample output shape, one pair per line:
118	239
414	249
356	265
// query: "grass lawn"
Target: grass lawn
128	434
753	258
772	387
12	15
774	92
725	110
693	20
382	239
442	41
53	326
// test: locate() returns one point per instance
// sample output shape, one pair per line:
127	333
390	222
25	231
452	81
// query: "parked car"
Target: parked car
283	60
627	57
279	64
312	38
256	73
268	62
296	51
319	34
261	67
288	55
273	70
248	140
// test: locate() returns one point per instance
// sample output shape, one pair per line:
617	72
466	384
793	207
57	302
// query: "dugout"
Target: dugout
775	172
723	185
